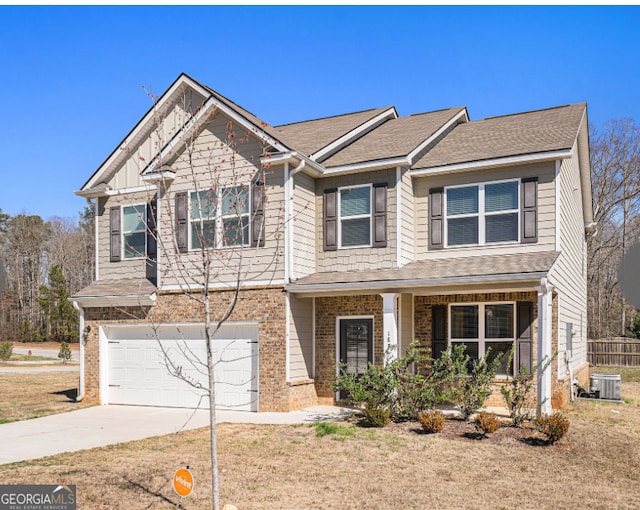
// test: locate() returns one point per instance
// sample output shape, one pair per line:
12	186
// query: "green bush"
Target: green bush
6	350
487	423
554	426
432	421
65	352
378	416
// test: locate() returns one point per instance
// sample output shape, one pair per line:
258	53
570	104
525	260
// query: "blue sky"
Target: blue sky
72	76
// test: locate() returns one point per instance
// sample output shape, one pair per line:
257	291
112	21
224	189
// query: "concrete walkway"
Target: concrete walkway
104	425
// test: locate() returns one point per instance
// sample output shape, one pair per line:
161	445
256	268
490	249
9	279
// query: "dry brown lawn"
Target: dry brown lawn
597	465
28	395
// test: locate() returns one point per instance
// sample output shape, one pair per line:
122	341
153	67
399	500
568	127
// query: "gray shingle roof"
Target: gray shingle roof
310	136
395	138
429	272
128	287
511	135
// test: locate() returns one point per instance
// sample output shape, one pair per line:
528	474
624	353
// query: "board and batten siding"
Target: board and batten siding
300	338
125	268
357	259
569	273
304	225
546	210
213	167
407	205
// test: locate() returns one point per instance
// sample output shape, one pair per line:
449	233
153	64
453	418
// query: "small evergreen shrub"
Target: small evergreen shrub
378	416
6	350
487	423
432	421
65	352
554	426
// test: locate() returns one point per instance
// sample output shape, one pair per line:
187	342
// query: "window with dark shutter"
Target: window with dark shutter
379	215
524	351
257	211
114	234
182	222
530	210
436	223
152	239
439	330
330	220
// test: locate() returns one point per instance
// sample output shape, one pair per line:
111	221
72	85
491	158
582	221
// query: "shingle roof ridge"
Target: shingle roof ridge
433	111
531	111
334	116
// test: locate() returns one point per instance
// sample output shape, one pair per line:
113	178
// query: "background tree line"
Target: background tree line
42	263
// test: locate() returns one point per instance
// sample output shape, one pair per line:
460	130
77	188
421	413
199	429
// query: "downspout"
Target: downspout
82	338
545	333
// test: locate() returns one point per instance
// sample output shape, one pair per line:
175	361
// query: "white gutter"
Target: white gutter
89	302
82	338
492	163
295	157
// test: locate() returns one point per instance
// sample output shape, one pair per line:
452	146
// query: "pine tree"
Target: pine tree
62	321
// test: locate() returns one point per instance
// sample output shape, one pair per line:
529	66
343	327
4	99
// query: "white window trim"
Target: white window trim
482	341
219	218
481	214
122	231
355	217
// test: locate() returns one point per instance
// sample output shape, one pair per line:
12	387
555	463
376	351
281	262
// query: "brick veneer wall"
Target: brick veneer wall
265	306
328	309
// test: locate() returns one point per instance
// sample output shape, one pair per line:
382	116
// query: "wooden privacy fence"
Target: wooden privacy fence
617	352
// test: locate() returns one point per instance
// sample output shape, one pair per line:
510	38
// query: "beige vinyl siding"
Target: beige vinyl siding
126	268
407	253
569	272
300	338
304	225
128	175
213	167
355	259
546	209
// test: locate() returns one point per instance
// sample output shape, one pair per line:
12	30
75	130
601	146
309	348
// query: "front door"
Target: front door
356	345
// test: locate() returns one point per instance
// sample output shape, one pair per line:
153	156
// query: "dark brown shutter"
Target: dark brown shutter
114	228
330	217
152	232
530	210
439	330
379	215
436	218
524	350
257	211
182	222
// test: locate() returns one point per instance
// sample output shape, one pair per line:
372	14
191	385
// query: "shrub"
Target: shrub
554	426
65	352
6	350
473	380
378	416
487	422
432	421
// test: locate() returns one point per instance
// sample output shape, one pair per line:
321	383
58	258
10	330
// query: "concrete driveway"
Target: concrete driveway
104	425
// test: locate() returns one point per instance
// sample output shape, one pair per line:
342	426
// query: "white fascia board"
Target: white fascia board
311	167
454	120
493	163
388	285
111	301
156	177
366	167
347	138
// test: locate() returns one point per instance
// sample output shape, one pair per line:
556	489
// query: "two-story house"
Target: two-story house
346	237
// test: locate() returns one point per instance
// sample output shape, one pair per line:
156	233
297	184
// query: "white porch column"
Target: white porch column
545	336
390	325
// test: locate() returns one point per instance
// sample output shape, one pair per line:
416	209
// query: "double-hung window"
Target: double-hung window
484	328
355	216
134	231
482	213
219	219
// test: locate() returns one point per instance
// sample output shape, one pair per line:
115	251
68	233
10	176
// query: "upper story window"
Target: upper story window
481	214
219	219
134	231
355	216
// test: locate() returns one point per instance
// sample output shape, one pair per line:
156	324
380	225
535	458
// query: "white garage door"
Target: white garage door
137	372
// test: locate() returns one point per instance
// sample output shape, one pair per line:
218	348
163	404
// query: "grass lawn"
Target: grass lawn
596	466
26	396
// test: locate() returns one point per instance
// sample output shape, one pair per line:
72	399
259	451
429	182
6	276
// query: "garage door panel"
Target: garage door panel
138	374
